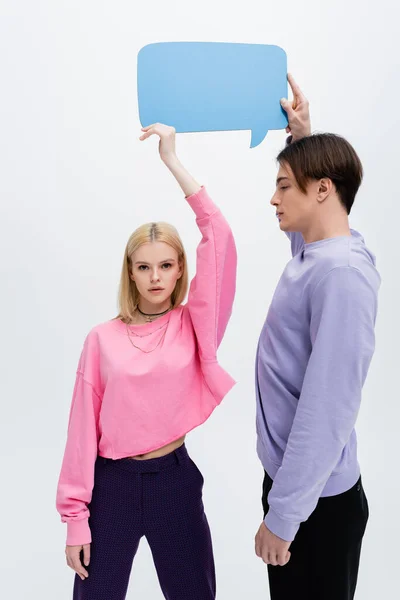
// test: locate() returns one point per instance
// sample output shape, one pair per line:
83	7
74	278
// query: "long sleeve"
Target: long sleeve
343	312
76	479
295	237
296	241
212	290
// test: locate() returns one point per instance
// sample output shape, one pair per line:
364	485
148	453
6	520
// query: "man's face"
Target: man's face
295	210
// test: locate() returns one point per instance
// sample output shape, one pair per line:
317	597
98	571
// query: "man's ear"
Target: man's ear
325	187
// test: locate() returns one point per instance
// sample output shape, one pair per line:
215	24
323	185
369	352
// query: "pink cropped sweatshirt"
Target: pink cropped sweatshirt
127	401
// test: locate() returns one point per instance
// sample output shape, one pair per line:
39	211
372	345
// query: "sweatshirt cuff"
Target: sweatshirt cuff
283	529
78	533
202	204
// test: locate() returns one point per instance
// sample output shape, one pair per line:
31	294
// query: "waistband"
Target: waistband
151	465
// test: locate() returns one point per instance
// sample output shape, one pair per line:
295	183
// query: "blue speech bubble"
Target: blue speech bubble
211	86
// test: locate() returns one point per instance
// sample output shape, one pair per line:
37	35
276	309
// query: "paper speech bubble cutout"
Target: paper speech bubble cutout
212	86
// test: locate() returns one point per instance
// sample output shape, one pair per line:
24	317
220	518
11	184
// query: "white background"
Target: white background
75	182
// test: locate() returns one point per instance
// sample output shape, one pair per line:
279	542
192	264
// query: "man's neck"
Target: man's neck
327	227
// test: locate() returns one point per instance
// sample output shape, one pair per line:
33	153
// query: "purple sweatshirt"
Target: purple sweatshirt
312	361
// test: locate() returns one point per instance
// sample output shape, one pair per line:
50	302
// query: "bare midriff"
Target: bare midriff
160	451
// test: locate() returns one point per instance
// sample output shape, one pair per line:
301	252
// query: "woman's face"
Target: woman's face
155	271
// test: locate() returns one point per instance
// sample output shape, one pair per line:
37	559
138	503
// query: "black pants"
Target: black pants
325	554
160	499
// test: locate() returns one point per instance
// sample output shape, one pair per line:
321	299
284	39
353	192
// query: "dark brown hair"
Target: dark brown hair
325	155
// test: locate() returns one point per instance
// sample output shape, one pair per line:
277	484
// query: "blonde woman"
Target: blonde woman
144	380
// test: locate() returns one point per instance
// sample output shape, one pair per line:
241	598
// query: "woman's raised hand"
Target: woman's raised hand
167	139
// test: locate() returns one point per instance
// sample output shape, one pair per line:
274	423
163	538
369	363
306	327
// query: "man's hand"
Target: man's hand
298	112
272	549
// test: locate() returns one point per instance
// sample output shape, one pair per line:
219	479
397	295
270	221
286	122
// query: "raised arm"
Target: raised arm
168	155
298	113
212	290
296	241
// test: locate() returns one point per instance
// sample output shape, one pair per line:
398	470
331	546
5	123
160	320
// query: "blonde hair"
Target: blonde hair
128	297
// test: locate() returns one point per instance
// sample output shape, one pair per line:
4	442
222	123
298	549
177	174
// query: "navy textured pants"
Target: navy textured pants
161	499
325	554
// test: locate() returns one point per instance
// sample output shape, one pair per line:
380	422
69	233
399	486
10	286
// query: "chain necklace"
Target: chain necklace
146	335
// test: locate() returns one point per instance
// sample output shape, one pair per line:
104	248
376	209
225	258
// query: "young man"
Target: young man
312	360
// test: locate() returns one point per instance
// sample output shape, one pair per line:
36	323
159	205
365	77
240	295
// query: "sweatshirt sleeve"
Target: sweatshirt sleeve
76	479
212	290
295	237
296	241
343	313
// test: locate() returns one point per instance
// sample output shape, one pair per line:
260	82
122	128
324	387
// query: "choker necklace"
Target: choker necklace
149	315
